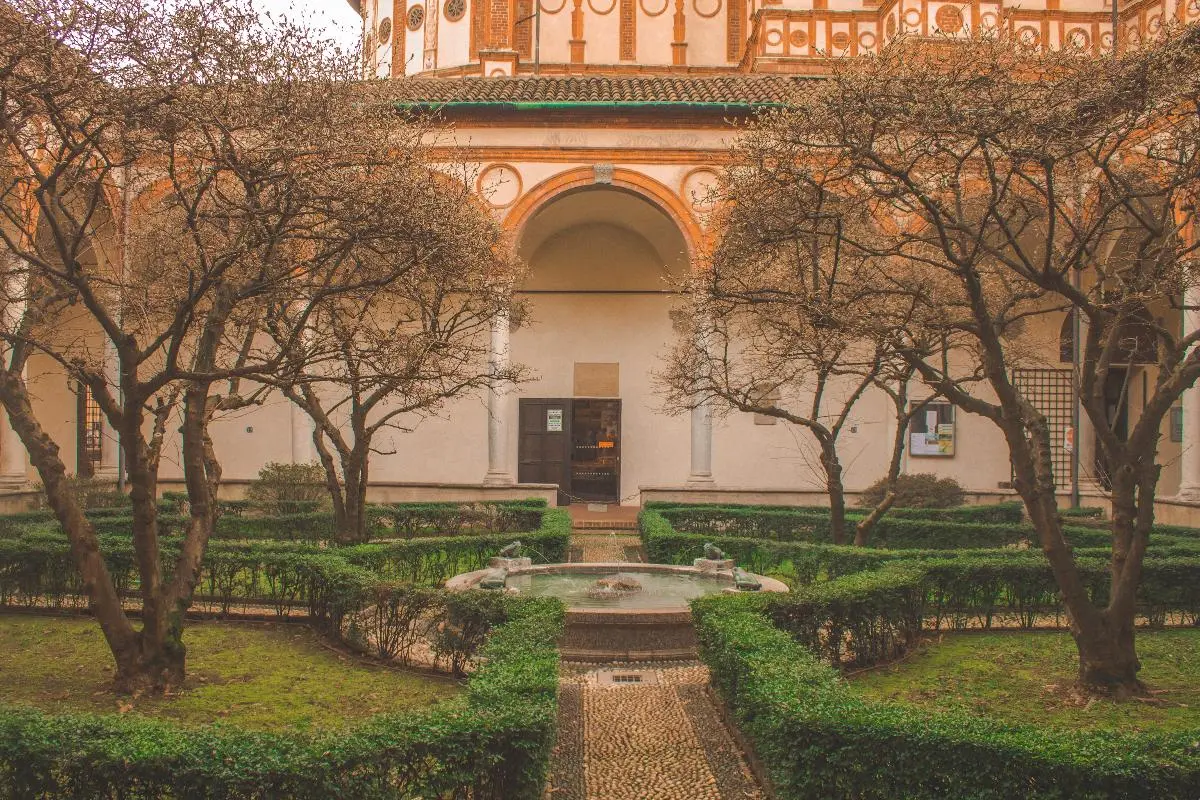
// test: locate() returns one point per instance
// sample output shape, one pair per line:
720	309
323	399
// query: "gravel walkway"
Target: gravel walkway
641	731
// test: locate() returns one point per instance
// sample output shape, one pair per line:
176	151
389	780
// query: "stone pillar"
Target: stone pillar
1189	480
14	460
700	473
110	442
302	436
499	401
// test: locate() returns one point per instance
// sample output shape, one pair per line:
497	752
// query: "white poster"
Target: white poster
554	417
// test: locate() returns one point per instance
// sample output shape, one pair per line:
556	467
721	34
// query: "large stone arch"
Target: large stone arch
623	179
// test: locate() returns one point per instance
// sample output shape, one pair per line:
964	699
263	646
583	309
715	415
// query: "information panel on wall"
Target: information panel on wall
931	431
554	420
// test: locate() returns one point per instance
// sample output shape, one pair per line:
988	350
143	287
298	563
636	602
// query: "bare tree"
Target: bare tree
379	361
1005	187
777	324
176	171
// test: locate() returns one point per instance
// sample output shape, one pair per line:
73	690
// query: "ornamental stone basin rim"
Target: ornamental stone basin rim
679	613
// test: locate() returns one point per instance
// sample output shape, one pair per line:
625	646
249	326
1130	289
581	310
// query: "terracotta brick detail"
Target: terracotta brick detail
500	25
523	35
735	41
628	30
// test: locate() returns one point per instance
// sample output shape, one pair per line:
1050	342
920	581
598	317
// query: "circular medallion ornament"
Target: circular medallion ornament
774	37
455	10
1154	23
866	40
385	30
499	185
1193	8
912	18
798	38
707	8
547	8
949	19
1028	35
1078	38
653	8
600	8
988	20
416	17
891	27
699	189
840	40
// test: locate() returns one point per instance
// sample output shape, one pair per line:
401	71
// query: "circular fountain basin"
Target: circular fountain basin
653	624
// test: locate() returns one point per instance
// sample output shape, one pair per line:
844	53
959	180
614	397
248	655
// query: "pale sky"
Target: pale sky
335	17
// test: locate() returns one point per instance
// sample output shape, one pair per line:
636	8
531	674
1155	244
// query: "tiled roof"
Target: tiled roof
736	90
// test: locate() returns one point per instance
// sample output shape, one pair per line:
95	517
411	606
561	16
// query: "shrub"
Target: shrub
288	488
916	490
493	744
817	739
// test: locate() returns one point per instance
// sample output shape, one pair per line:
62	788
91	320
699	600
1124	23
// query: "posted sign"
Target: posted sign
554	419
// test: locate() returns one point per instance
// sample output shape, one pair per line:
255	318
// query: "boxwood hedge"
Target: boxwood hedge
494	744
817	739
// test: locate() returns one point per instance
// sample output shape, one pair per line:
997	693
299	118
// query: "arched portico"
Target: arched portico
606	252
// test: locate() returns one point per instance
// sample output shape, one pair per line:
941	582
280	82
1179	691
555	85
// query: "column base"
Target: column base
700	482
498	479
1188	494
14	481
106	474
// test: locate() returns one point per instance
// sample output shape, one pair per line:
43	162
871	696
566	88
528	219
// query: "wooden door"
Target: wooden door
544	444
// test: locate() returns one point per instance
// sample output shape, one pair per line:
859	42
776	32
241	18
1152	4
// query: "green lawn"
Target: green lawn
1027	677
263	676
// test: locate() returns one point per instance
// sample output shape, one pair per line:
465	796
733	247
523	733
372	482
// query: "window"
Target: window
1177	424
89	432
931	430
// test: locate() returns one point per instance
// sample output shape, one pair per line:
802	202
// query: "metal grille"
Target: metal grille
1052	392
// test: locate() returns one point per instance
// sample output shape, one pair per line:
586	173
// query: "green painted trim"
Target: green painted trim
605	105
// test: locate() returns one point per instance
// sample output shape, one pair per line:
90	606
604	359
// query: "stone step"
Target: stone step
604	525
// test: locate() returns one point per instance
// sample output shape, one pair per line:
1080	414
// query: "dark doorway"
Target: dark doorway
596	450
544	444
1116	408
573	443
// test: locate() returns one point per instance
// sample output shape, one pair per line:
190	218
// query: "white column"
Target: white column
701	464
499	402
1189	480
14	460
302	436
109	441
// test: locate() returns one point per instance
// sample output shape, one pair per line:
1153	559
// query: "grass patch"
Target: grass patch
1027	677
261	676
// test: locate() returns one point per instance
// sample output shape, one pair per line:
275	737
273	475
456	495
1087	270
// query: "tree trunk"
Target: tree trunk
354	470
836	491
123	641
1108	662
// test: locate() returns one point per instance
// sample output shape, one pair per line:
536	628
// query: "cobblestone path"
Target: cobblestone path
641	731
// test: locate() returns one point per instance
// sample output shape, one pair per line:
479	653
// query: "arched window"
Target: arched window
1136	341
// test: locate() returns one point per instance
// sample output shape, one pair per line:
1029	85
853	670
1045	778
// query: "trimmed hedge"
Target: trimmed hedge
493	744
817	739
240	520
36	569
723	524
